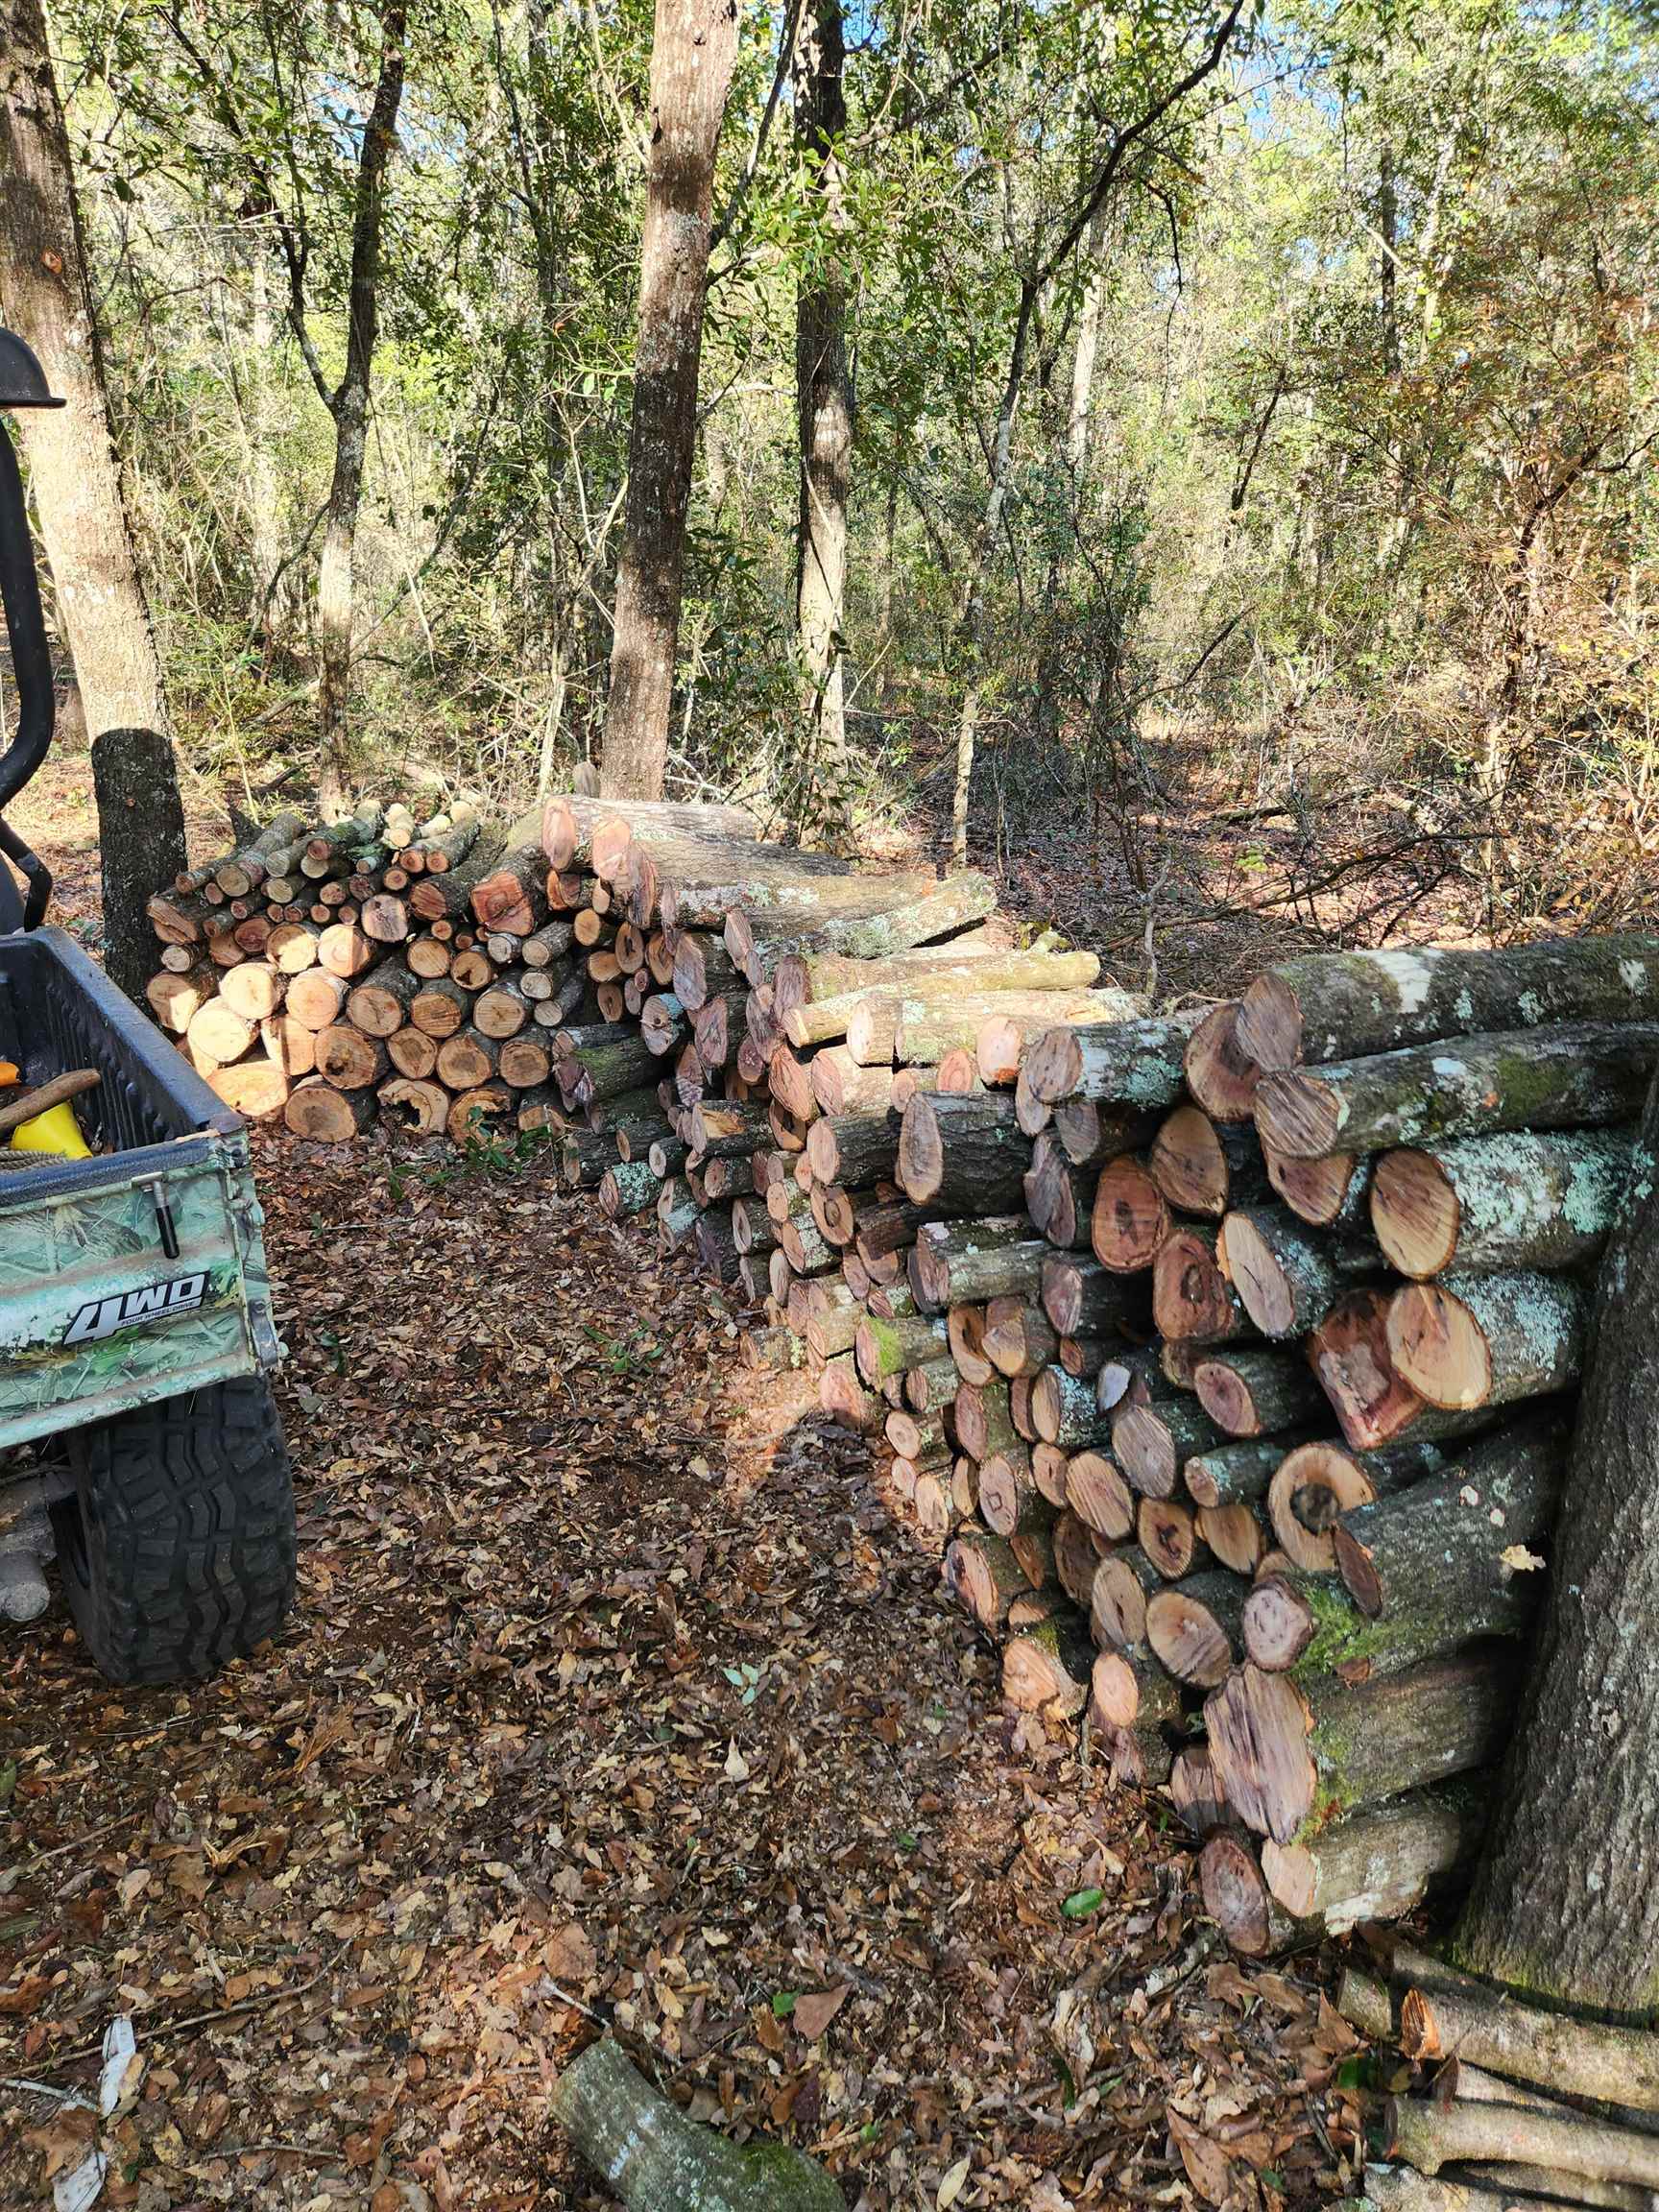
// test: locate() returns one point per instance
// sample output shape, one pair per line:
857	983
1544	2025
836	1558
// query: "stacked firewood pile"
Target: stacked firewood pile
1227	1356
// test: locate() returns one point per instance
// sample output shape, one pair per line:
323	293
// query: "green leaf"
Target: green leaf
783	2003
1082	1902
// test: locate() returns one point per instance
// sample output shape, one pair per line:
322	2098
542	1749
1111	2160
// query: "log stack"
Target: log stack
1226	1357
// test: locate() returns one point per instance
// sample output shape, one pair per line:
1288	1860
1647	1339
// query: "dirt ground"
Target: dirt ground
617	1694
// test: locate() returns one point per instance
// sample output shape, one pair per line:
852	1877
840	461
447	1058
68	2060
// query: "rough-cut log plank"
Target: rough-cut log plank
315	1109
1584	1074
1256	1390
1336	1006
1515	1200
1473	1340
1381	1865
1294	1760
1287	1278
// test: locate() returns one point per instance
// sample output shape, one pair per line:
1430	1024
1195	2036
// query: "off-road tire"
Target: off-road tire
177	1550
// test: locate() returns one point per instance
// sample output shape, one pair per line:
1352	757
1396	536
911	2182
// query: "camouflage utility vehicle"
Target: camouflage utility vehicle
138	1438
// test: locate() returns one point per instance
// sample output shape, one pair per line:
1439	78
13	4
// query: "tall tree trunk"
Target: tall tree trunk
693	47
336	593
1565	1905
45	298
823	400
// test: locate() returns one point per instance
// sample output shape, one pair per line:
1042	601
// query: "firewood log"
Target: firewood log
1169	1534
343	950
1487	1203
174	997
350	1060
1083	1299
933	1384
316	998
1256	1391
1295	1758
584	832
1234	1537
1582	1074
411	1052
1195	1628
1200	1803
1349	1357
855	1148
1233	1474
1130	1690
1152	1441
1286	1278
289	1045
930	1024
840	1086
255	1087
1096	1493
1129	1222
379	1004
1238	1899
911	911
1010	1502
1219	1074
315	1109
962	1155
1019	1339
1316	1483
218	1034
447	895
1059	1198
1048	1666
1444	2012
1427	2136
1135	1064
420	1107
1205	1166
884	1348
1484	1340
1192	1298
967	1262
984	1420
1065	1410
1381	1865
1337	1006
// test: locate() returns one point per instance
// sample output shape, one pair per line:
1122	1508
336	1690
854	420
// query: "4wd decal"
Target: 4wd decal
103	1318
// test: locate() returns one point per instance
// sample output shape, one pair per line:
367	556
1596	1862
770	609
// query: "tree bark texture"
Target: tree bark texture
1563	1904
693	47
46	299
140	840
336	593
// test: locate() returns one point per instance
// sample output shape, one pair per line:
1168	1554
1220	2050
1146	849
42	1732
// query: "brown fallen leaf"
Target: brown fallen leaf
1207	2164
814	2011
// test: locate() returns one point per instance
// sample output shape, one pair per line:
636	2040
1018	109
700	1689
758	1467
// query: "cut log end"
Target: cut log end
1414	1213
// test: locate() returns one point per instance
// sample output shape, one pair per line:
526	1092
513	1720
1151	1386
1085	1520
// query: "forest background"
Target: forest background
1189	407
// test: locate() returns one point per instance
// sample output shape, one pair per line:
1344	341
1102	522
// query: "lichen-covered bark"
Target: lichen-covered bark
1565	1905
1584	1074
1135	1064
1379	1865
1516	1199
1473	1340
1334	1005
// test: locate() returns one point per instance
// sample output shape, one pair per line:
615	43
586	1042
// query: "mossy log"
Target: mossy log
1048	1666
1586	1075
1381	1865
1442	2016
1514	1200
1466	1341
1337	1005
1295	1759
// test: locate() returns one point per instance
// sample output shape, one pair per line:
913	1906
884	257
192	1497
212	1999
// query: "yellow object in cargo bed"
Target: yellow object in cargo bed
53	1131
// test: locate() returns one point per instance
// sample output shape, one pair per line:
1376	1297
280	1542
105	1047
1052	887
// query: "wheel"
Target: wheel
177	1549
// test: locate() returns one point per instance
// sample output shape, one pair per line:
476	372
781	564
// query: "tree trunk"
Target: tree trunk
335	582
694	46
1564	1904
824	401
140	842
45	298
